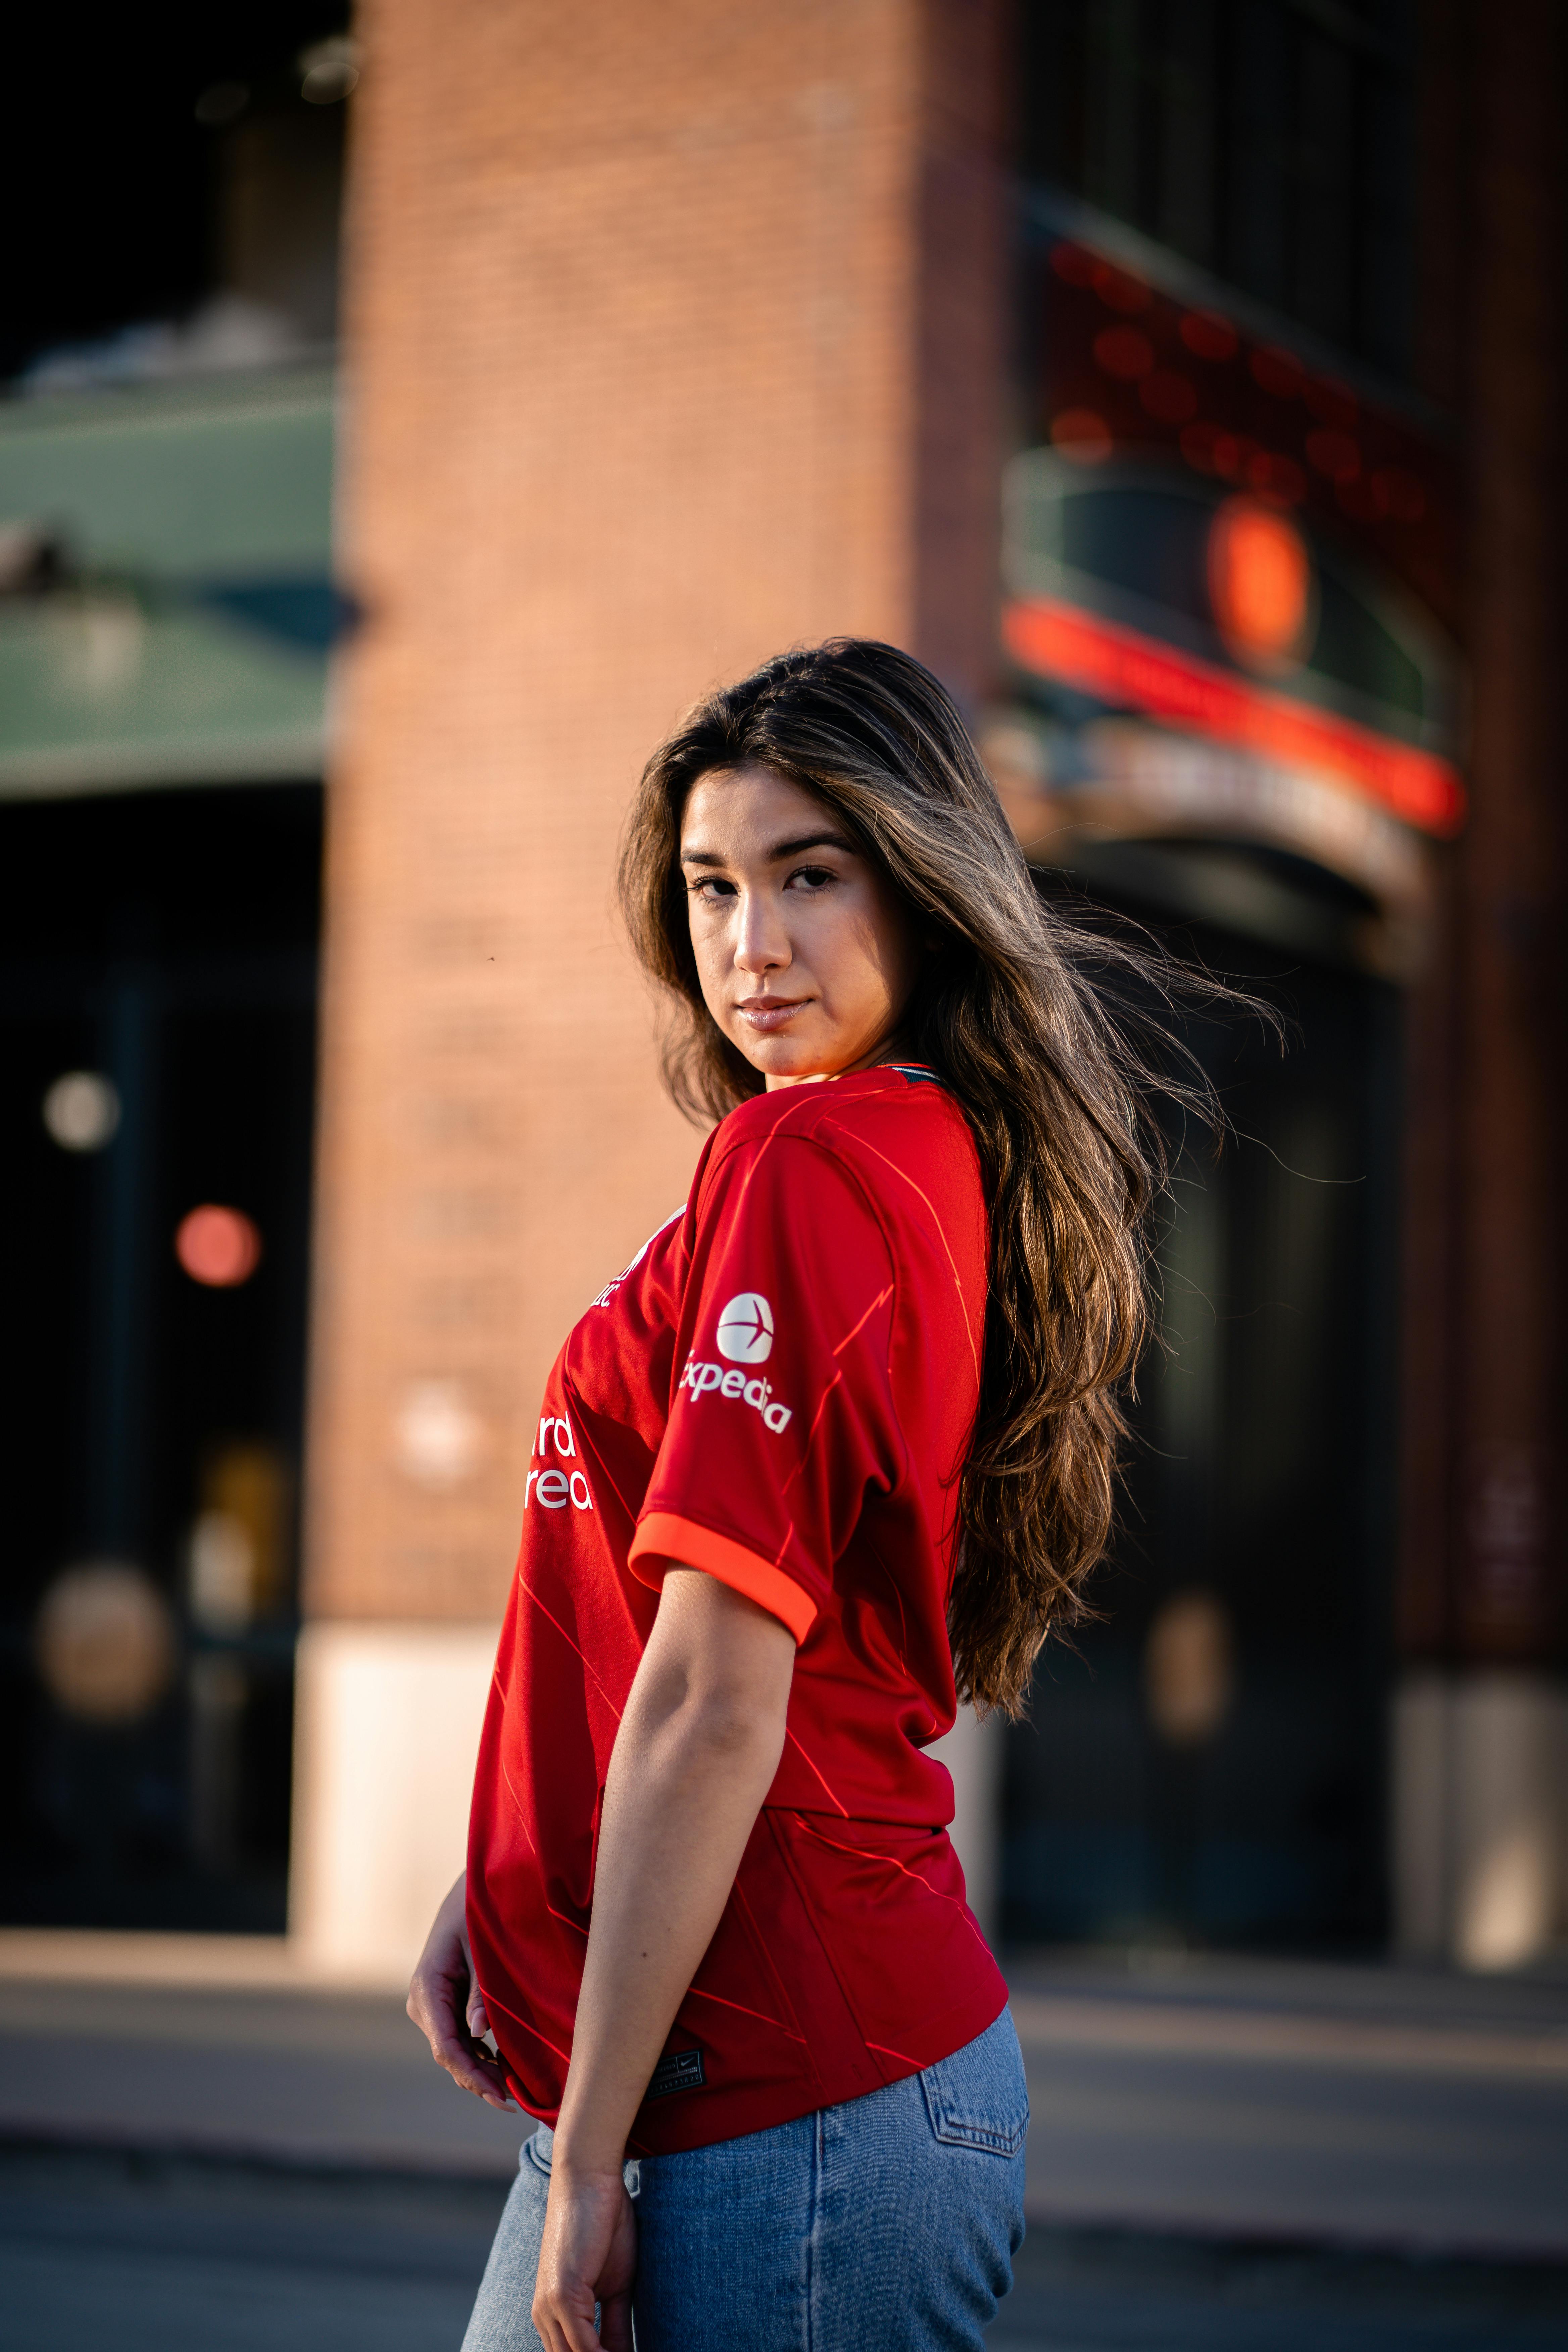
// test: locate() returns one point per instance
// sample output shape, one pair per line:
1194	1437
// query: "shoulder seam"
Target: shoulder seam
826	1114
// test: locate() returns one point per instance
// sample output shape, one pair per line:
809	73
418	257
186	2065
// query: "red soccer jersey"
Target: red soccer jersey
778	1390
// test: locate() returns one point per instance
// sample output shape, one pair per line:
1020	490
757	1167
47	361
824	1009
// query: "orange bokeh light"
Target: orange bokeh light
1277	479
1119	289
1169	395
1334	454
1279	372
1074	263
218	1247
1330	402
1081	435
1260	581
1124	352
1208	335
1403	493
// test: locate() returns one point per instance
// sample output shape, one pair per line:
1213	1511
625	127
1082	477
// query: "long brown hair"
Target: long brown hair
1016	1011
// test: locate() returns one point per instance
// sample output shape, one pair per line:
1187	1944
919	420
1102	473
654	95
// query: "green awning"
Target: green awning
177	629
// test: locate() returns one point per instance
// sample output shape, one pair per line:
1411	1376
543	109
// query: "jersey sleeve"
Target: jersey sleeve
782	1413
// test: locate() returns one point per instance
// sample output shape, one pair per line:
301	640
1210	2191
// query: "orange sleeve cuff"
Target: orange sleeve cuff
664	1537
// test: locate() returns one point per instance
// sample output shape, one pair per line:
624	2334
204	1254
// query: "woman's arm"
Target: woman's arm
445	2004
695	1755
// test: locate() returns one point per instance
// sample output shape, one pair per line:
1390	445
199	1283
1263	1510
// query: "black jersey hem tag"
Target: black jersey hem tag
680	2071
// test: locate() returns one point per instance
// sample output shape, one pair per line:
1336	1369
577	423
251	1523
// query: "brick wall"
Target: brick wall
671	332
1509	1490
1485	1573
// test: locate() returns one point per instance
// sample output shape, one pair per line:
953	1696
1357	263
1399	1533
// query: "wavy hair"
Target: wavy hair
1026	1016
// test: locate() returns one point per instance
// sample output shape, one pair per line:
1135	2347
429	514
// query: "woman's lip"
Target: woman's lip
770	1012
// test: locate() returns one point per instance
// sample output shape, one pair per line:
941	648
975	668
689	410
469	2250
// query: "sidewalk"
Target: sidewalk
1370	2107
299	2076
1245	2157
1367	2106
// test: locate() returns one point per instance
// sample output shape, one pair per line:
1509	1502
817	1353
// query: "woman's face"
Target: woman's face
807	959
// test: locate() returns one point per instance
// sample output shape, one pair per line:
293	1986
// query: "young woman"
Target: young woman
828	1458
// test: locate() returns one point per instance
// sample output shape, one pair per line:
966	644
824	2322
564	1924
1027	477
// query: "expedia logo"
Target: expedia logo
746	1336
746	1330
712	1380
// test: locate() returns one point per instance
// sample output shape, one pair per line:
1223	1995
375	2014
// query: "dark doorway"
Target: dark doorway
159	157
157	1046
1205	1767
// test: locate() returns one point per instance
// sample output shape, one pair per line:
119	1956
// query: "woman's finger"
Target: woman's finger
564	2326
436	2003
469	2065
477	2070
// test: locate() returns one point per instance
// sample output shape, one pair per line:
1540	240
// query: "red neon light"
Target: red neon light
1121	667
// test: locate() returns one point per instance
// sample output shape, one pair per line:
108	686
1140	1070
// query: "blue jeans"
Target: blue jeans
888	2225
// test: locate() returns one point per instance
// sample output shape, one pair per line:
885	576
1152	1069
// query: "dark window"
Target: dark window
1267	141
157	1089
1237	1797
154	158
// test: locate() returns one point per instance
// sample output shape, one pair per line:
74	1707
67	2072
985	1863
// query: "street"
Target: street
1249	2157
222	2256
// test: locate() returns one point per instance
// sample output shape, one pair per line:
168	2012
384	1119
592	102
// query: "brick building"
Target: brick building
671	337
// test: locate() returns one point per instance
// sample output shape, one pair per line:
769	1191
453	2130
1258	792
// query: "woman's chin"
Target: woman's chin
789	1061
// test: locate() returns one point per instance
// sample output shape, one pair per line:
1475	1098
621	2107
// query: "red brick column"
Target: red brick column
1508	1594
636	313
1483	1583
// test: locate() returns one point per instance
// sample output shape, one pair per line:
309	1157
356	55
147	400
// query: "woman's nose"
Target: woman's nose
762	942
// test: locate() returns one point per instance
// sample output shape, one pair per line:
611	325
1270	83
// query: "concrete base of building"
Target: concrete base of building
1479	1816
388	1720
974	1752
388	1727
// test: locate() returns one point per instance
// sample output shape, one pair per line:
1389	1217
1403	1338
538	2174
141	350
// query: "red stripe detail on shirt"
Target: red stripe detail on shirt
857	1328
527	2024
570	1644
805	1758
901	2055
681	1543
861	1853
695	1992
942	1236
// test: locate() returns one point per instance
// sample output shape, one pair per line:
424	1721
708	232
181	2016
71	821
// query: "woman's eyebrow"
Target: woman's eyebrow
780	850
808	841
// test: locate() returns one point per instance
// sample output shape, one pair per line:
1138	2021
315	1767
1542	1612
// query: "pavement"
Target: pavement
1373	2107
1252	2157
176	2253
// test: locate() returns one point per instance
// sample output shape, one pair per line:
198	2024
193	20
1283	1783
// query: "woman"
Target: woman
831	1455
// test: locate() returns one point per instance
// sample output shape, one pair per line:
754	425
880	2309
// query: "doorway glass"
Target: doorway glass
158	959
1203	1764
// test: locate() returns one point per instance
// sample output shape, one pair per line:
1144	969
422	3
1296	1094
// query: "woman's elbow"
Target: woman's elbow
731	1726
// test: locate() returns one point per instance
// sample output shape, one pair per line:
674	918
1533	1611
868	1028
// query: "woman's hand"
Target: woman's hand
445	2003
588	2255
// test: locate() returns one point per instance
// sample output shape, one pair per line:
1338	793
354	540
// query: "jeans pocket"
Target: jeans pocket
978	2098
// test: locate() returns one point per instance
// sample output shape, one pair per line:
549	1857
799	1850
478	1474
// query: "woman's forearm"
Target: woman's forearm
695	1752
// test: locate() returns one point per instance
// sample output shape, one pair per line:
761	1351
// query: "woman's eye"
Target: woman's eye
713	890
813	876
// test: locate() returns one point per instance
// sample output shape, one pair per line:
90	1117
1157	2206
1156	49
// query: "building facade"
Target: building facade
1178	383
